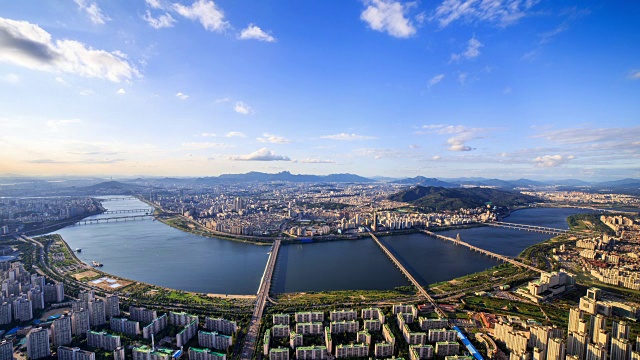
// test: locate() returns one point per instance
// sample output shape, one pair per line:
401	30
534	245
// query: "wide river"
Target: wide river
155	253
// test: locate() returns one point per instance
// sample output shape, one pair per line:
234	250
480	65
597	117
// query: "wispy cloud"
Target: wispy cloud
84	161
227	99
388	16
263	154
461	135
242	108
499	12
235	134
314	161
206	134
182	96
254	32
160	22
472	51
202	145
348	137
28	45
11	78
274	139
93	11
121	91
436	80
57	124
634	75
206	12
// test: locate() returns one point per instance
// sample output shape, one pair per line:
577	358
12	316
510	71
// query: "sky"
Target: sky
539	89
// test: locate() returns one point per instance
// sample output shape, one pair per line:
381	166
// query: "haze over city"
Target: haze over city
507	89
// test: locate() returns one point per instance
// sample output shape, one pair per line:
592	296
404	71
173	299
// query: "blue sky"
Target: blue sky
446	88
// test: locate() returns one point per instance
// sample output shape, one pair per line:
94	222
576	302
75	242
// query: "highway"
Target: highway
406	273
249	345
483	251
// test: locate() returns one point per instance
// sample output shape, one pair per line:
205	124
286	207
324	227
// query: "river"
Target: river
153	252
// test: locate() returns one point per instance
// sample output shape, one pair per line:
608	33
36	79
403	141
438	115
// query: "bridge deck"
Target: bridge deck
483	251
249	345
406	273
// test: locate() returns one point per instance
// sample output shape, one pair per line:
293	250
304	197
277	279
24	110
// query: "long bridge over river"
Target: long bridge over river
125	211
112	219
408	275
534	228
457	241
249	345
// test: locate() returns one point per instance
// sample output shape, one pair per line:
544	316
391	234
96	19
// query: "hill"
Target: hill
439	198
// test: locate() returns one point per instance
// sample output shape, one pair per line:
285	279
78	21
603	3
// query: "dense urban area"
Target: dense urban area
575	296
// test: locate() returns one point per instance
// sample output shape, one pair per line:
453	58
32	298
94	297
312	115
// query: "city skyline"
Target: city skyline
498	89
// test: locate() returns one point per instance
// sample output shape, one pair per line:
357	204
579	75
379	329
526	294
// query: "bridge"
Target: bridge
248	348
408	275
534	228
457	241
119	198
124	211
112	219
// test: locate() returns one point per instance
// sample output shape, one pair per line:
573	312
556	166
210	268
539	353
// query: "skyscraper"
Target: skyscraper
61	331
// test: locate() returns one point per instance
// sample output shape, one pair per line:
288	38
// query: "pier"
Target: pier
112	219
249	345
509	260
408	275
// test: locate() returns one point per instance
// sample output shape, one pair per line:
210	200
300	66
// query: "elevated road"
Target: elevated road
485	252
408	275
248	348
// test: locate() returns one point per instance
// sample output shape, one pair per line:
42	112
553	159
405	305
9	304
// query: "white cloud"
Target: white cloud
462	78
121	91
11	78
235	134
156	4
254	32
60	80
314	161
472	51
347	137
91	8
227	99
263	154
242	108
436	157
548	161
499	12
462	134
414	146
28	45
634	75
208	134
86	92
436	80
274	139
388	16
204	11
162	21
57	124
182	96
202	145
